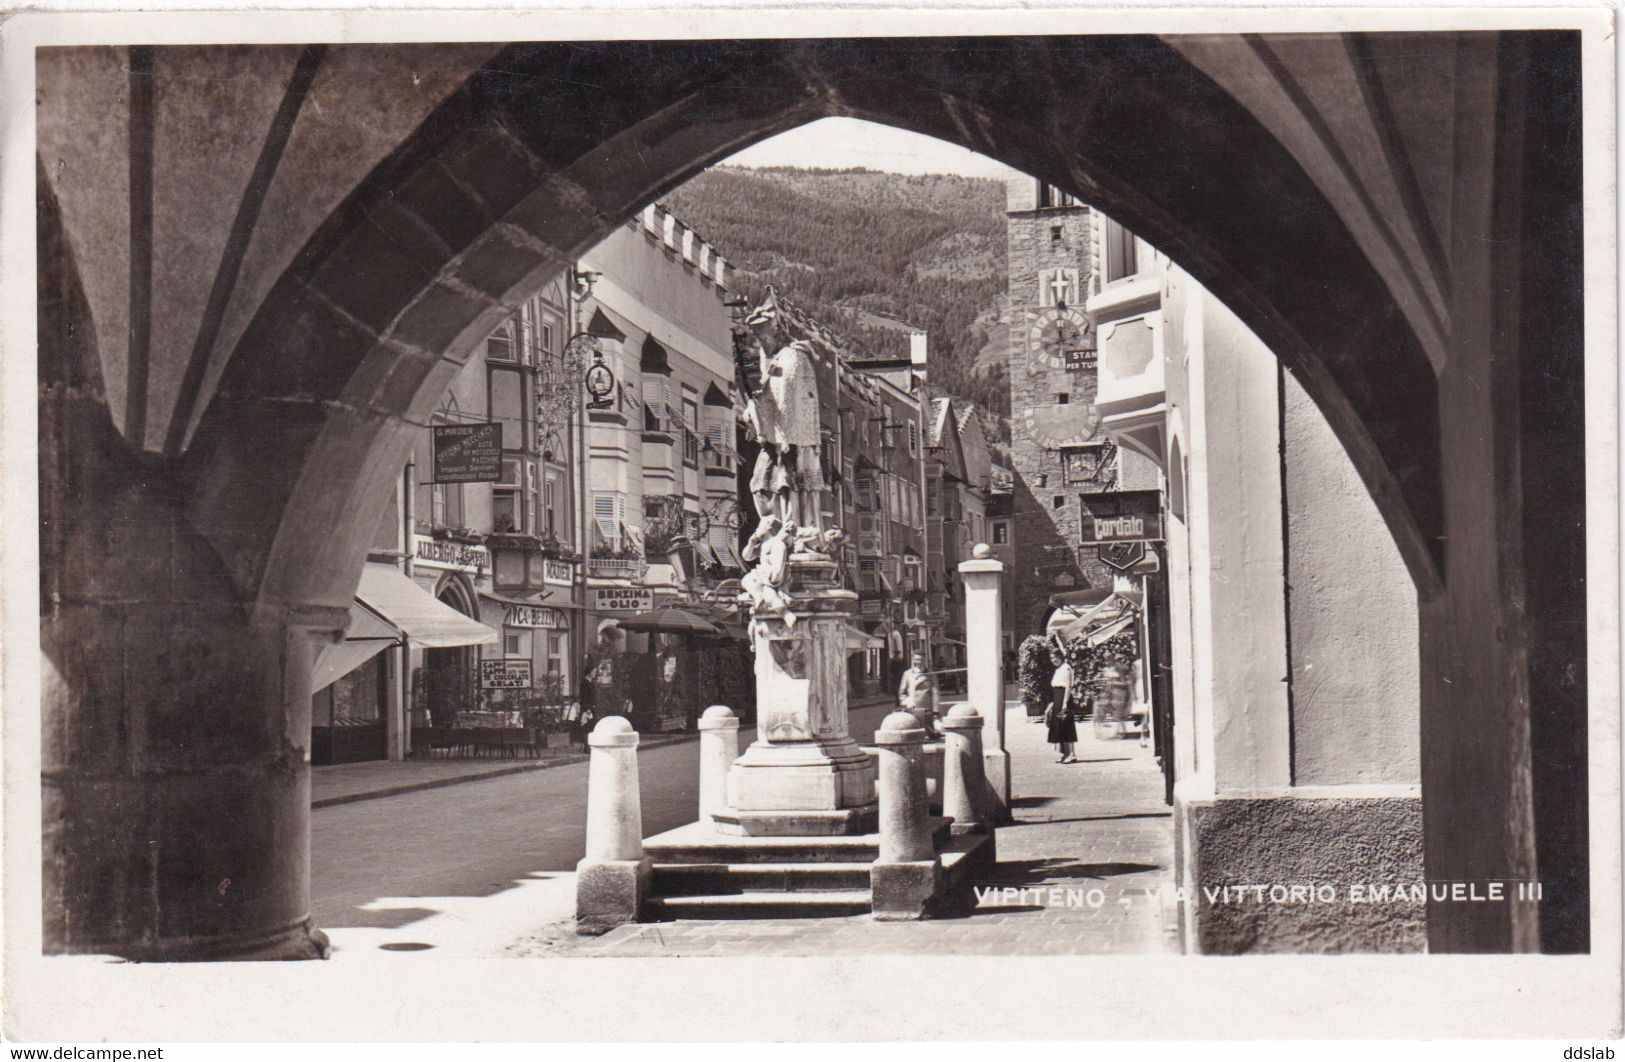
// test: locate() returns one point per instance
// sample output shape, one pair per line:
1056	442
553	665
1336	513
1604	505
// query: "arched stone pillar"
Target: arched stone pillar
174	758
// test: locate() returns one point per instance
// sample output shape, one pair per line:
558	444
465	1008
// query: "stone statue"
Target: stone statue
781	415
765	584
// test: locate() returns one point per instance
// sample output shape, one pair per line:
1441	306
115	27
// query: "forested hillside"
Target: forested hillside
870	254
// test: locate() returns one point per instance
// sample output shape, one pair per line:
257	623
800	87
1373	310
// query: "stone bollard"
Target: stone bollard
908	875
982	577
612	880
965	796
719	747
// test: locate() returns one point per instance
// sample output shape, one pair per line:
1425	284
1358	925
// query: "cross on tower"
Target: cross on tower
1060	287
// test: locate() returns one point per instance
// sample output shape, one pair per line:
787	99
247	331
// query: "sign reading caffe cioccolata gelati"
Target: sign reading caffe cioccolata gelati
505	674
467	453
1121	516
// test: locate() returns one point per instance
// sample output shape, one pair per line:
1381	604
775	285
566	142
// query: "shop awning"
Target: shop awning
415	613
341	658
1111	616
367	637
857	640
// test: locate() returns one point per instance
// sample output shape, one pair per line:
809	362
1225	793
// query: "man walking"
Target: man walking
918	695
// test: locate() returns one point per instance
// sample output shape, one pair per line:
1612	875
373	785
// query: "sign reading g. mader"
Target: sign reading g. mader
1121	516
467	453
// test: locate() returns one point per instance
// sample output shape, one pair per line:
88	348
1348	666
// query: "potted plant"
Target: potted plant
1035	668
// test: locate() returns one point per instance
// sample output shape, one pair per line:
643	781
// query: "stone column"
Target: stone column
907	875
612	880
804	775
719	747
984	664
964	786
175	727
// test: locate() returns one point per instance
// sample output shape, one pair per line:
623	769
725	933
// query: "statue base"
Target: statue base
804	776
847	822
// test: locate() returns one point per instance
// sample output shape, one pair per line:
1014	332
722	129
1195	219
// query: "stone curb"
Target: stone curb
500	772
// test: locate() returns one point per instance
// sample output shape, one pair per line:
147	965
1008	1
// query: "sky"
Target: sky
839	143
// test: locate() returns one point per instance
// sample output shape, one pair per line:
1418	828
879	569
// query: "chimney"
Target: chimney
917	353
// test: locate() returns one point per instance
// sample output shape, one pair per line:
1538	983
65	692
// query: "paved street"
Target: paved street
392	863
487	867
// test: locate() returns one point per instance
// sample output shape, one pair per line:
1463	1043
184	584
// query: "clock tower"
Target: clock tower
1058	449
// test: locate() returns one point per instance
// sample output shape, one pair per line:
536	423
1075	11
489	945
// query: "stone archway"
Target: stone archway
272	480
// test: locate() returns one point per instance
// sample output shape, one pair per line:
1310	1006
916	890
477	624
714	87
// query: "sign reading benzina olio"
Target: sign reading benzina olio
1121	516
505	674
467	453
622	599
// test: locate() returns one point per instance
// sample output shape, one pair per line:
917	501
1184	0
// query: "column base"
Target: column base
1346	846
300	941
904	892
610	893
996	767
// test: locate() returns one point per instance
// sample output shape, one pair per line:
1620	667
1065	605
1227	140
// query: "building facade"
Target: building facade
469	613
1292	658
661	475
959	479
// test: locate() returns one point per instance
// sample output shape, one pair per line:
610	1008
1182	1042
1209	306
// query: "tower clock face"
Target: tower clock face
1057	331
1054	426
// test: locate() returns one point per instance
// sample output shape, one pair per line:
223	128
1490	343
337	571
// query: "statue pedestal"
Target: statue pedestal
804	775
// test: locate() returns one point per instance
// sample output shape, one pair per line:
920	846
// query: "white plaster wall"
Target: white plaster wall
1355	686
1240	557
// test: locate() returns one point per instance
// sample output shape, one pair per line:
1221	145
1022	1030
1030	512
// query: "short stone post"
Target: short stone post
984	667
719	747
908	875
965	793
612	880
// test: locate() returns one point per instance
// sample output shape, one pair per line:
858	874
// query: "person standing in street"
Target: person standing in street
917	694
1063	732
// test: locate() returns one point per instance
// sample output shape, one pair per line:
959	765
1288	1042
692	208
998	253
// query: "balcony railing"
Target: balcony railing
613	567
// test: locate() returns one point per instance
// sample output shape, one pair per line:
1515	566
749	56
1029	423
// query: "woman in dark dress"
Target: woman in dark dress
1063	732
581	725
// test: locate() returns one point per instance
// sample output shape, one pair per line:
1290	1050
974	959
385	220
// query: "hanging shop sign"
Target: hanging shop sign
871	607
622	599
535	616
600	383
505	675
467	453
1121	516
456	556
1122	555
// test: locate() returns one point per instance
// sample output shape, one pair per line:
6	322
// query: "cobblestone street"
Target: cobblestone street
1097	831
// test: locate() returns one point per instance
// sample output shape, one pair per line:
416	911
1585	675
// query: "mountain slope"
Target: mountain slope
870	254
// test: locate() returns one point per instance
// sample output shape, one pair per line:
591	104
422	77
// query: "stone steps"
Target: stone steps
832	904
696	844
726	879
700	874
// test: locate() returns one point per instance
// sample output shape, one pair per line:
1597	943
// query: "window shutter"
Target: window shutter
607	513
